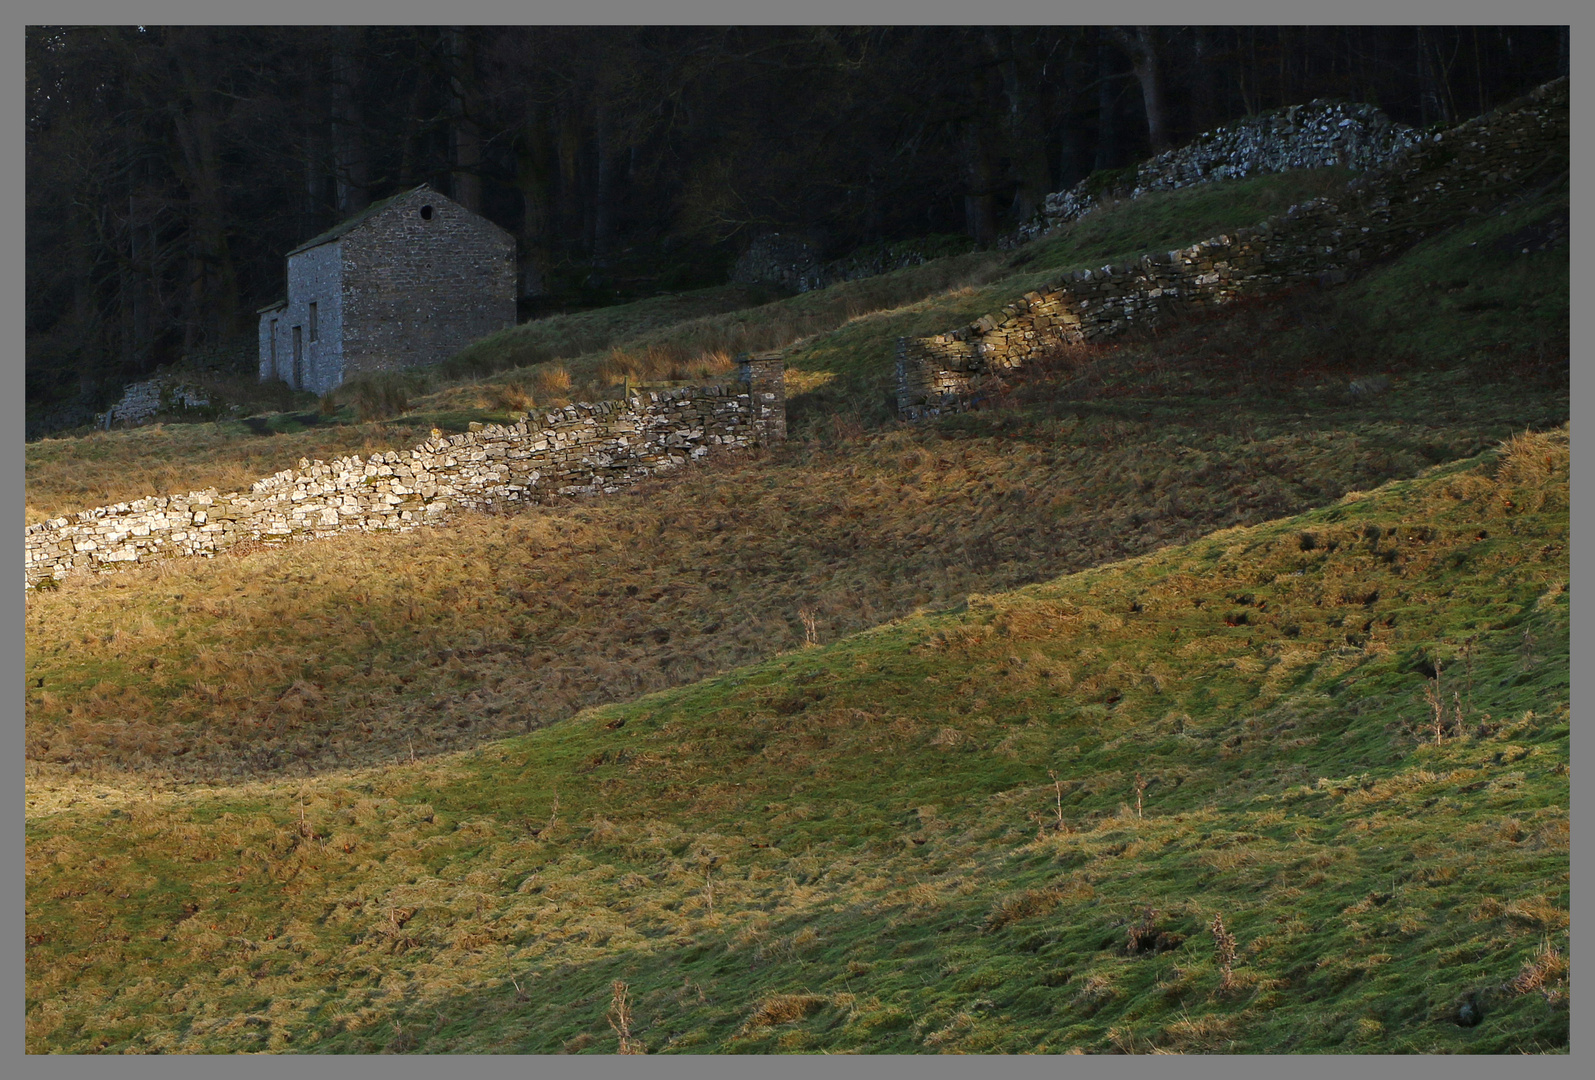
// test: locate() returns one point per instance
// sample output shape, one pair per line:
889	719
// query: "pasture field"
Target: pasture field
1018	826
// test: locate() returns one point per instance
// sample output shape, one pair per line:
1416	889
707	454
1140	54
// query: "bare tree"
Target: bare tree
1142	46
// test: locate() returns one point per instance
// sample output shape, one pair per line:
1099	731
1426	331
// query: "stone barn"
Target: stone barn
408	281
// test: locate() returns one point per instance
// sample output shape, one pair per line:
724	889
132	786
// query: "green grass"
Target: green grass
560	336
852	848
1474	291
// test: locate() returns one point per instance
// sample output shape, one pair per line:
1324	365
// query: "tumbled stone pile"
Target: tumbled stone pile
779	259
1471	169
143	401
1321	133
582	449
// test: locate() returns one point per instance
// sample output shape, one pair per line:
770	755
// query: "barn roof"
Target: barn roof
355	220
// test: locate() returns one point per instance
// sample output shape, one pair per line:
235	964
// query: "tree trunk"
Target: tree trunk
464	137
1204	112
137	282
350	164
1143	49
1107	107
1072	161
533	166
606	187
313	207
213	287
571	207
980	215
1431	95
1019	68
412	120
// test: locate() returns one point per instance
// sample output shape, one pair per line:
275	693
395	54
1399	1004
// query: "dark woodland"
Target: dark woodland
170	168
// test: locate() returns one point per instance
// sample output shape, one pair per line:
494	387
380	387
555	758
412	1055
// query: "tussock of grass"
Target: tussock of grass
1375	882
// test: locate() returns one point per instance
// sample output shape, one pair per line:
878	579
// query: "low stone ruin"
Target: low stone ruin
143	401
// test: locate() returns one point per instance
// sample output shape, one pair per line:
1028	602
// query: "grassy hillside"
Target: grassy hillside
952	737
850	329
1013	827
363	648
366	648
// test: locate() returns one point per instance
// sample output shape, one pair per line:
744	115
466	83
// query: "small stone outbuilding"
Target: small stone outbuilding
408	281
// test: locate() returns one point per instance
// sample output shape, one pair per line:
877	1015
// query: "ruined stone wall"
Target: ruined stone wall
1470	169
142	401
1319	134
582	449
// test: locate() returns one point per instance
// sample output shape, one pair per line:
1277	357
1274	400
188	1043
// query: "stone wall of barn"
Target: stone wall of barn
421	280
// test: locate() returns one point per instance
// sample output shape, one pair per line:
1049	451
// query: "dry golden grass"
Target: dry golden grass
68	475
785	1008
1541	972
366	647
699	348
552	384
463	903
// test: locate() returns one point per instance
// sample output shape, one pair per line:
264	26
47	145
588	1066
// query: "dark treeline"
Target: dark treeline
169	168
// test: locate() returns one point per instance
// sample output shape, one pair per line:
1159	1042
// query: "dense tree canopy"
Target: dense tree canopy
170	168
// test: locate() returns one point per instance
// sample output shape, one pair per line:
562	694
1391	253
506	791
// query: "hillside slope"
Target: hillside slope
848	333
1019	827
441	791
364	649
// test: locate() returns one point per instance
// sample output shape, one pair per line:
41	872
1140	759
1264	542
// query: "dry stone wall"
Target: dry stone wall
1468	170
1321	133
582	449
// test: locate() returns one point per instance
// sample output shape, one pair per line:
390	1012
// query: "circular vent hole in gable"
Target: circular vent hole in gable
426	212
